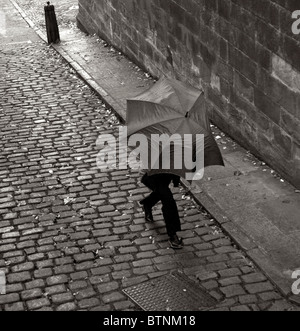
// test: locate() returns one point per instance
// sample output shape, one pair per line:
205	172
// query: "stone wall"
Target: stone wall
242	52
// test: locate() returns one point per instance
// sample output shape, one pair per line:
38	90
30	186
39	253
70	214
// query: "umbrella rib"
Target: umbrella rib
176	95
180	116
153	124
173	88
156	104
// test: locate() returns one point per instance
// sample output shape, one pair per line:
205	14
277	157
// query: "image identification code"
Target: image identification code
150	321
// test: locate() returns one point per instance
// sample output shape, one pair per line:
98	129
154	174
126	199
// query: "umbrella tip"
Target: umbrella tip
187	114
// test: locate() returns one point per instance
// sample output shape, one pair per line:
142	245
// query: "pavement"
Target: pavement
73	237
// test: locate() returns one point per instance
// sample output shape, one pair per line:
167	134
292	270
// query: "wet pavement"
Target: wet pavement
73	237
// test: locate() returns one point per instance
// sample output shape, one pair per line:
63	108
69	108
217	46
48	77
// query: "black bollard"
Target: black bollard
51	24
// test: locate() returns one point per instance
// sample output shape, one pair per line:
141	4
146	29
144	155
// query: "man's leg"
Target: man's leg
154	183
161	192
171	215
149	202
169	209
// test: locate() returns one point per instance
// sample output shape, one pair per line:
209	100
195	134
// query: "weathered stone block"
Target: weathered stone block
243	53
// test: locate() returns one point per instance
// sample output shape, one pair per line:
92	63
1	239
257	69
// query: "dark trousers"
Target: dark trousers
159	184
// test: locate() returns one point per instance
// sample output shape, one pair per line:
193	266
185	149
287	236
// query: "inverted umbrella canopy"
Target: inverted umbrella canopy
176	110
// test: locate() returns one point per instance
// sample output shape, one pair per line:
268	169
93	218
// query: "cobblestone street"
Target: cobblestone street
73	237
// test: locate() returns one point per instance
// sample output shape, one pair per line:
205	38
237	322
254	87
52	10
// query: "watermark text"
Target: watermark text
296	284
152	152
296	24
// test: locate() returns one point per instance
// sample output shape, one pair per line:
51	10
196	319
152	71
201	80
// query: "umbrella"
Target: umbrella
173	109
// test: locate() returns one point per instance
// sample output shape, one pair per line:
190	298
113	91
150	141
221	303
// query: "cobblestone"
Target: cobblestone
233	291
259	287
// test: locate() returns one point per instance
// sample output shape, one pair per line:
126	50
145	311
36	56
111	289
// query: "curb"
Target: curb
88	79
242	240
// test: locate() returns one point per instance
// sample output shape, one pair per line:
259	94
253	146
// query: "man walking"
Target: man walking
159	184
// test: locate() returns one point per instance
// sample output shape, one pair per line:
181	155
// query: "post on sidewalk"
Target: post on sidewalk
51	24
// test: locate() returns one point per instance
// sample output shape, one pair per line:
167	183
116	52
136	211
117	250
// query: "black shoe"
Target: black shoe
176	243
148	212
